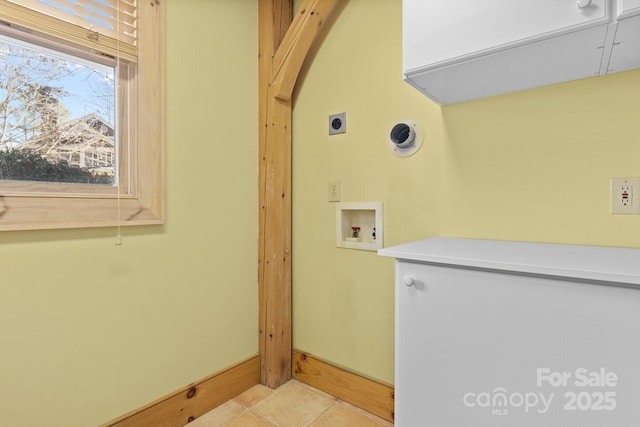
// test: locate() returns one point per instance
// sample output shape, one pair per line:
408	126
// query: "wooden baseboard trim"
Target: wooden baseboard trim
373	396
194	400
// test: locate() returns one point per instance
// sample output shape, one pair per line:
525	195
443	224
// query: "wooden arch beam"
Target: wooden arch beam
283	46
290	56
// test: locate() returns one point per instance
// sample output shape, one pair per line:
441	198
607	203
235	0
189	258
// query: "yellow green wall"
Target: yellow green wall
90	330
532	166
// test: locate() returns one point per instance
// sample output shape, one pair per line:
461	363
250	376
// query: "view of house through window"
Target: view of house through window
57	116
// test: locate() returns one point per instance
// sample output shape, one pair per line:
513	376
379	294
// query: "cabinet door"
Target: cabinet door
441	30
625	54
463	336
627	8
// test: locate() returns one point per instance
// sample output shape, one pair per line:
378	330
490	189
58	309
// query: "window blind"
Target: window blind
108	26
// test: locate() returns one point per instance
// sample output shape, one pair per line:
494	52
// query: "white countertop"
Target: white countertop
616	265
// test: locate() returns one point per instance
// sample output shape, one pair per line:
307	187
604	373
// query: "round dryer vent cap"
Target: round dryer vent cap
405	138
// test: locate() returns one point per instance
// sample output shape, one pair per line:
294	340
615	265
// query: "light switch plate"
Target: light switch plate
334	191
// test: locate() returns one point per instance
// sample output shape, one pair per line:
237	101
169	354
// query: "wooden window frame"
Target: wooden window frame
142	200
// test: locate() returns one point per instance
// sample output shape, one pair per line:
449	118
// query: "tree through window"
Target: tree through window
56	116
82	122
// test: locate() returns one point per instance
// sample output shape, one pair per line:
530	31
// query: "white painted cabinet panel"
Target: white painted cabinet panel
459	50
569	57
625	54
503	334
628	7
437	30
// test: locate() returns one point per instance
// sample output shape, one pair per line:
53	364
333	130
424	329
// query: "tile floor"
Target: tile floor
293	404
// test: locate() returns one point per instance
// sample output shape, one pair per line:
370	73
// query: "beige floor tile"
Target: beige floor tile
248	419
254	395
344	415
315	390
218	416
292	405
380	420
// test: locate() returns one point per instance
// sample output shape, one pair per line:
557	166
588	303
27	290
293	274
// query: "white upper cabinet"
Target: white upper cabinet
458	50
440	30
627	7
625	54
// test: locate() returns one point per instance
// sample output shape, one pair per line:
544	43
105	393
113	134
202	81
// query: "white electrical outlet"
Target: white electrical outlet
625	195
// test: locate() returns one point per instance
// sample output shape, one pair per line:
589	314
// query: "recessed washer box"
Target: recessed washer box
359	225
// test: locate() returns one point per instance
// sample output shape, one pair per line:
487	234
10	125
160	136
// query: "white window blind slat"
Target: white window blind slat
108	17
114	19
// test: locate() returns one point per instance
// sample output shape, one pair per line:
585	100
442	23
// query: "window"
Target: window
82	121
55	111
